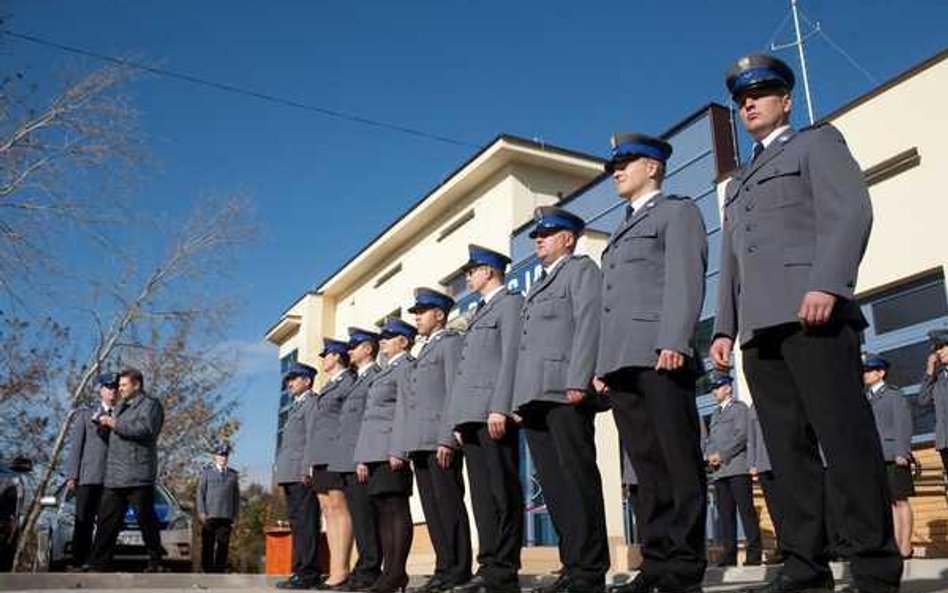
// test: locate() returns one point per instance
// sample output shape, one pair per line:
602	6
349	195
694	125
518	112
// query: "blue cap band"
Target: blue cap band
639	149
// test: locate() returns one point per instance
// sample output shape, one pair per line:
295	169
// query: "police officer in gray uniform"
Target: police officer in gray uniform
893	415
553	393
363	350
85	469
218	504
329	484
420	429
796	222
479	410
130	470
935	390
380	465
652	290
302	508
726	454
758	461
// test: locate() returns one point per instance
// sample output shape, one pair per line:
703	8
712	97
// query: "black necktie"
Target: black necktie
542	274
629	211
480	305
758	148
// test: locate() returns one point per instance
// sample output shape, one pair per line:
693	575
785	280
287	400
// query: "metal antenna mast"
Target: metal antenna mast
798	43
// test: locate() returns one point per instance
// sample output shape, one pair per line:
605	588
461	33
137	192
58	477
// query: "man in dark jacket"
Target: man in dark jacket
130	471
85	469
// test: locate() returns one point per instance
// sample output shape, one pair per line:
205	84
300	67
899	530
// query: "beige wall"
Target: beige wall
911	208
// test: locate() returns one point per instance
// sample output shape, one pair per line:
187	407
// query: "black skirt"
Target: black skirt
901	485
325	480
383	480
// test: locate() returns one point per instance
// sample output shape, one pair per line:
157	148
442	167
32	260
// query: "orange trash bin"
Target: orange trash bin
279	550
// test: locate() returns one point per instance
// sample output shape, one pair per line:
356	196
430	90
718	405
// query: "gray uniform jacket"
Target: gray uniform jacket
325	424
485	374
560	334
290	465
133	445
893	421
89	446
652	284
350	422
375	443
757	455
727	436
218	493
935	389
419	424
796	219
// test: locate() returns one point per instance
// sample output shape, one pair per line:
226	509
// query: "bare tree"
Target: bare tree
58	154
142	300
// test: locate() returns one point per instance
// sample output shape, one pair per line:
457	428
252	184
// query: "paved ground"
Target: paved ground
921	576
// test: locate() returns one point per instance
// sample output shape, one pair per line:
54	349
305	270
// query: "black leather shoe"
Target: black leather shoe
361	582
560	585
784	584
298	582
642	583
568	584
434	585
477	584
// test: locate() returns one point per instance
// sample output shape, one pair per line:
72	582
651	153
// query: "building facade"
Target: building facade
901	146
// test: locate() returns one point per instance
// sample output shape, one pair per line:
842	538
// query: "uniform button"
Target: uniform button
749	207
752	249
608	310
612	266
608	287
749	228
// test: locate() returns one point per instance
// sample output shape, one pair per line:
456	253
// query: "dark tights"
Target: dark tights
395	532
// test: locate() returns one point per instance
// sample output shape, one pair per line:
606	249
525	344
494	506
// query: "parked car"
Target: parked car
15	487
58	521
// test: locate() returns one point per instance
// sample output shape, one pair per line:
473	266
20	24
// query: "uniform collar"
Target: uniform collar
641	201
397	357
490	295
337	376
769	138
876	387
726	403
365	368
549	269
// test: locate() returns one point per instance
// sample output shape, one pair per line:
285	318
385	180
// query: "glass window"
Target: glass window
907	363
899	320
693	180
455	285
909	306
690	142
714	251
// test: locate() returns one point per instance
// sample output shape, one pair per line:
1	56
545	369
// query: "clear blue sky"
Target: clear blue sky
568	72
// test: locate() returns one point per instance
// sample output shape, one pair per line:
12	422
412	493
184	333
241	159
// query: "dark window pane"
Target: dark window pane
907	366
923	417
910	306
907	363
